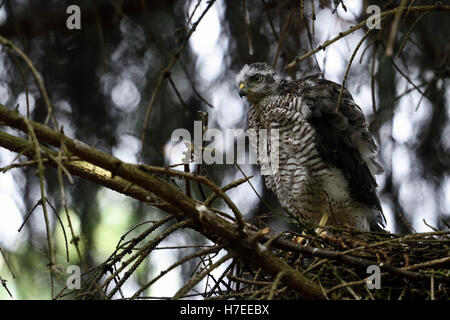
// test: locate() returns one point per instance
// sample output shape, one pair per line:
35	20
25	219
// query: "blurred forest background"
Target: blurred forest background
135	60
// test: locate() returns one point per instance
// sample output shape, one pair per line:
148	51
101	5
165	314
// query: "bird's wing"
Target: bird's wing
342	139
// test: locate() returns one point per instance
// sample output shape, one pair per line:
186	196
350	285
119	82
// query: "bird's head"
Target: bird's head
257	81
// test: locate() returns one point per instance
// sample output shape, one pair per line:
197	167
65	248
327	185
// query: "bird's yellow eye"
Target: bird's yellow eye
256	78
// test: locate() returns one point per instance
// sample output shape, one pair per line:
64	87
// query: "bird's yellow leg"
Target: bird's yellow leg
319	230
322	223
299	240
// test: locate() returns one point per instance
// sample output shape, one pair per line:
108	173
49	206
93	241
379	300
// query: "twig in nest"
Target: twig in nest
193	281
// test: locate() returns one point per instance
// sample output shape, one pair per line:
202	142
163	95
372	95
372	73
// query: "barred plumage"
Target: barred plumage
326	159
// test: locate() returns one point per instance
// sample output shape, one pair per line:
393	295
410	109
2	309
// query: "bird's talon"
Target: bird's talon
299	240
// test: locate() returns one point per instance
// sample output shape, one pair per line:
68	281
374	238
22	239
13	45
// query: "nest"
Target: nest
344	263
350	264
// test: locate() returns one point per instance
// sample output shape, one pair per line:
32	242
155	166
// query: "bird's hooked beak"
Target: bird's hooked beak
242	90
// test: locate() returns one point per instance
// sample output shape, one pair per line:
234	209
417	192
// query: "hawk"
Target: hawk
326	153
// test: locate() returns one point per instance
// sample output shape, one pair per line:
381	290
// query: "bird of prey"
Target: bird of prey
326	154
